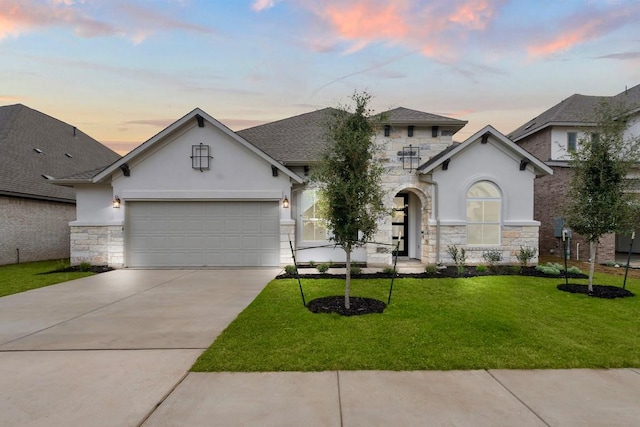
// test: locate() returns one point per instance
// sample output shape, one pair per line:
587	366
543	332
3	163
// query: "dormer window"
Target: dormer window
410	131
572	141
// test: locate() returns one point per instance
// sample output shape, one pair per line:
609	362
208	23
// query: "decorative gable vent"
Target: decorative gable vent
200	157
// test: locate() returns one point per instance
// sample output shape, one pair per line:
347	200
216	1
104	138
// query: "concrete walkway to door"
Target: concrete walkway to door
106	349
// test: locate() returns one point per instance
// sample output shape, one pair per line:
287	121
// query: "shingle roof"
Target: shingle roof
300	139
409	116
575	110
34	145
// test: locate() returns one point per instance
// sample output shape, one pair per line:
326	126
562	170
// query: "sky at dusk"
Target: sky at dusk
121	71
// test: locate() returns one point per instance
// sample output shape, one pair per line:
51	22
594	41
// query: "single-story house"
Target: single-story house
198	194
34	149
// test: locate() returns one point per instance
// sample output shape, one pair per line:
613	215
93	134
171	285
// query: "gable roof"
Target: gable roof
188	120
300	140
538	165
34	146
577	110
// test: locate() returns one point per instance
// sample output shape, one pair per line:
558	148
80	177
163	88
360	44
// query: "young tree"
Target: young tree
599	198
349	179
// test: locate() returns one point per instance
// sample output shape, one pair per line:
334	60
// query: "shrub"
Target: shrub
574	270
431	269
548	269
525	255
312	263
324	267
290	269
481	268
492	258
355	270
388	270
515	269
459	257
85	266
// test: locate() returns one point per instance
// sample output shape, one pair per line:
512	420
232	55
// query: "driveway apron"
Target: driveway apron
106	349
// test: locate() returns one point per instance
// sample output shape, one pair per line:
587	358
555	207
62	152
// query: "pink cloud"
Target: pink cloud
430	27
17	17
260	5
584	27
135	22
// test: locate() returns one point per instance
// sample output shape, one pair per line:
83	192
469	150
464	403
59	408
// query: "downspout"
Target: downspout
436	212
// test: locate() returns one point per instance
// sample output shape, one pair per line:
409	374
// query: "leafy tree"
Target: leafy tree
599	198
349	178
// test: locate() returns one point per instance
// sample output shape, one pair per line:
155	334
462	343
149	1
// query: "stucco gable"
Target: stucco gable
196	118
501	141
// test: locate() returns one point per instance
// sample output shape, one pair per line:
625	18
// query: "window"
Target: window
483	214
572	140
313	226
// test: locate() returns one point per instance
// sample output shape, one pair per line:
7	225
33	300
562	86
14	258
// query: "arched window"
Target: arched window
484	205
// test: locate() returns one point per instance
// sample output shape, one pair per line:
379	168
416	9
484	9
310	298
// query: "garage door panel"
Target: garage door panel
190	234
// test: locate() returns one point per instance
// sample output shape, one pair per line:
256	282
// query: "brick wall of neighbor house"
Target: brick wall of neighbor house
538	144
38	229
513	238
98	245
549	201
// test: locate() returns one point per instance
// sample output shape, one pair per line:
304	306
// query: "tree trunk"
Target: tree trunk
593	244
347	286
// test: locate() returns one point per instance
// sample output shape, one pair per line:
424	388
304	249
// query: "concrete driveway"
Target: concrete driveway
105	350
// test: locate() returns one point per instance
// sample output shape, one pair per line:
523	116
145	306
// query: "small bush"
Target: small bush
574	270
548	269
312	263
431	269
290	269
515	269
481	268
61	264
355	270
525	255
610	263
459	257
388	270
85	266
492	258
324	267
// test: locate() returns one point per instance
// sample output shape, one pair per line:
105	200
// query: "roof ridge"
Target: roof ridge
285	119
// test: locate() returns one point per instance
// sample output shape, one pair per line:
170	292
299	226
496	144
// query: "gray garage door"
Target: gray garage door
196	234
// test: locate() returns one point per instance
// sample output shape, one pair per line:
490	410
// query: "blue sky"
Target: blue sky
123	70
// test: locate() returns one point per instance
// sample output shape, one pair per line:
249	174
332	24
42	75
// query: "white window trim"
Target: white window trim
499	223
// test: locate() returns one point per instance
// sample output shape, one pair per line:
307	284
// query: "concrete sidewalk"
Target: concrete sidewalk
115	350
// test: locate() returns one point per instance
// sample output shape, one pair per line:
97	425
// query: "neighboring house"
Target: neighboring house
34	149
199	194
552	136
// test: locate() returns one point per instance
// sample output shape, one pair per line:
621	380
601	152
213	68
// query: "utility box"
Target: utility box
558	225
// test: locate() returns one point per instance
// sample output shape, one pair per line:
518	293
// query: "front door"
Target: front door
400	223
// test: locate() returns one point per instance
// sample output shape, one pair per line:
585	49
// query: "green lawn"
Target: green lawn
499	322
23	277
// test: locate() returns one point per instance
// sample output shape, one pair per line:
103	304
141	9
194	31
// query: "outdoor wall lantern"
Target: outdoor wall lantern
285	202
116	202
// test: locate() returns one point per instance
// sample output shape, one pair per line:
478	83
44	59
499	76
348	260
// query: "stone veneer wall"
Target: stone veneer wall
287	230
37	229
98	245
513	237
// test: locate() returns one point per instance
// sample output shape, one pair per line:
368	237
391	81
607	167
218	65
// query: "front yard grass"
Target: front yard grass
23	277
492	322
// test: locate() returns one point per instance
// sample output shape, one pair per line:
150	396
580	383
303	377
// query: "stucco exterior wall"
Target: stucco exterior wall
34	230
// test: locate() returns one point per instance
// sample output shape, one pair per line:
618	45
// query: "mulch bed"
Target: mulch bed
447	272
599	291
335	304
76	268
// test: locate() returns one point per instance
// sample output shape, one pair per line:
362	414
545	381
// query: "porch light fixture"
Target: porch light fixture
285	202
116	202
